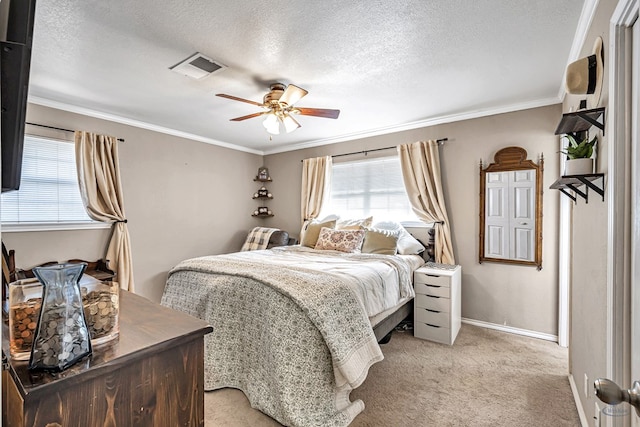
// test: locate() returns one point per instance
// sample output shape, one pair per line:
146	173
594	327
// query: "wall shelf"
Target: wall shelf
262	194
594	181
580	121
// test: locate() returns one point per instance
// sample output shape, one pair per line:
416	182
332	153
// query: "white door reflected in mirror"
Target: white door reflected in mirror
511	209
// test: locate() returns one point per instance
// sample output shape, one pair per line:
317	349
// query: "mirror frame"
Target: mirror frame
506	160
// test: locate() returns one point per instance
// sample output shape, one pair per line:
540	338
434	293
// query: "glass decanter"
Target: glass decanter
62	337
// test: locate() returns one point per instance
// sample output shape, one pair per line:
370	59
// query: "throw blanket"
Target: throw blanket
378	281
294	340
258	238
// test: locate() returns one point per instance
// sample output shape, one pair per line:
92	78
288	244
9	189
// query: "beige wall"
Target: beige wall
183	198
588	338
514	296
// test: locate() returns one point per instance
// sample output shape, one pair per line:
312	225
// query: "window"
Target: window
370	187
49	195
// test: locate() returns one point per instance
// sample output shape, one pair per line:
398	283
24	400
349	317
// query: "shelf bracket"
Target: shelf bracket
569	195
594	187
584	195
592	121
575	182
581	121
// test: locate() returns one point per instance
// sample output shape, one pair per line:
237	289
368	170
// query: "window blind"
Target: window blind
369	188
49	191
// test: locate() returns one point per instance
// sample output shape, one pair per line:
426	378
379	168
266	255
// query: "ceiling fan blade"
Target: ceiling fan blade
292	94
319	112
249	116
235	98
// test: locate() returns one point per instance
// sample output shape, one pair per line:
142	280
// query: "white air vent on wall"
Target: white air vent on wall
197	66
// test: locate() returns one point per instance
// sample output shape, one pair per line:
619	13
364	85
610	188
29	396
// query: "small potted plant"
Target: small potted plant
579	155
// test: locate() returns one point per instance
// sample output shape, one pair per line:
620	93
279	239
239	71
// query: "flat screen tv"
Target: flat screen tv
16	39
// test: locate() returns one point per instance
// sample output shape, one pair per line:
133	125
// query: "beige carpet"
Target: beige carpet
487	378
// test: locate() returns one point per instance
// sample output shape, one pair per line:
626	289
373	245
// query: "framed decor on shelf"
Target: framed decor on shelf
263	174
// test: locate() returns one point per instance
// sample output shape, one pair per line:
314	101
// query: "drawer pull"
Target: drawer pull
432	296
433	326
432	275
432	311
434	286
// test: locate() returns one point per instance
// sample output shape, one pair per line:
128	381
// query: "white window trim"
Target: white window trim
8	227
416	224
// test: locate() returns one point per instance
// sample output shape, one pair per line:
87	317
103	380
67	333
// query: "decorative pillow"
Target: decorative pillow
407	244
340	240
354	224
378	241
311	230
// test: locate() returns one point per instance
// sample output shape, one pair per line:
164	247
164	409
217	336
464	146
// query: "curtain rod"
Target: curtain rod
55	128
439	141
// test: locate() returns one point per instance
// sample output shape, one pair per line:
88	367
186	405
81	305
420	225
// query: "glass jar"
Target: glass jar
61	336
101	307
101	302
25	299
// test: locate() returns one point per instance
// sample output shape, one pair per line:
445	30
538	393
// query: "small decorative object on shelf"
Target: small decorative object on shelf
262	211
579	155
61	337
263	193
263	175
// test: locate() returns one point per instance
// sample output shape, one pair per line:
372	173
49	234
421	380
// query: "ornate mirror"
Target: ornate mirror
511	209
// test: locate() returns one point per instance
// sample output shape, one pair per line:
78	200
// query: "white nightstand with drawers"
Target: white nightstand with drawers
436	308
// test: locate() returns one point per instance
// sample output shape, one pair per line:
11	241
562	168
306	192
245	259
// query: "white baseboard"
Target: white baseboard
511	330
576	398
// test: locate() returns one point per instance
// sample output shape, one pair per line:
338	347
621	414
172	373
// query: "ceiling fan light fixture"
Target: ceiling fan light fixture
289	123
278	103
271	124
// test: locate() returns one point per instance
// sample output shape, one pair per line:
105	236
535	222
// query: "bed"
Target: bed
296	329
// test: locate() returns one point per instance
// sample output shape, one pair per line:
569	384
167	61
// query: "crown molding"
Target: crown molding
309	144
137	123
418	124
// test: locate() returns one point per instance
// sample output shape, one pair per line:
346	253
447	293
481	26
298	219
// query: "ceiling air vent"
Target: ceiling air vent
197	66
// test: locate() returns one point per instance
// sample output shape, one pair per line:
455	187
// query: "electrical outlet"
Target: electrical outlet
596	415
586	385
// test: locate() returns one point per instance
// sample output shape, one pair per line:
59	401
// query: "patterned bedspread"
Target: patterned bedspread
295	340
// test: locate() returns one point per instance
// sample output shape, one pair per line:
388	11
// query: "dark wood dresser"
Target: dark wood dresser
152	375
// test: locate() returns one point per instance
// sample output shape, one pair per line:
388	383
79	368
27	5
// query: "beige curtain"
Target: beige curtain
420	164
101	190
316	178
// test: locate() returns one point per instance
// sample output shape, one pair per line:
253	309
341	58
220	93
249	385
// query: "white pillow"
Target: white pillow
407	244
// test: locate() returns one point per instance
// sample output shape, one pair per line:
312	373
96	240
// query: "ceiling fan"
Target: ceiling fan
279	109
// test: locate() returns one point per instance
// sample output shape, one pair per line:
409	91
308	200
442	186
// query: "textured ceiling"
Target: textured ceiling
384	64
